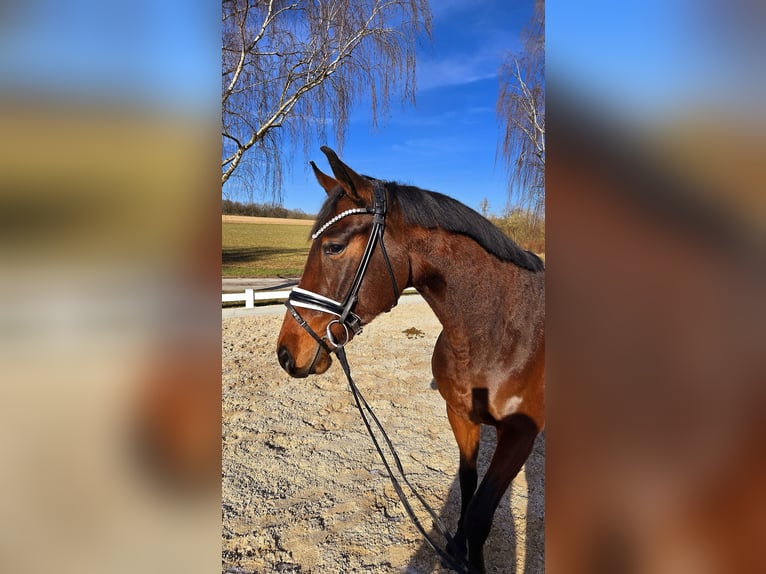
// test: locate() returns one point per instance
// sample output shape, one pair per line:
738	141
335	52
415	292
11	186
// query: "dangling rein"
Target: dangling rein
455	560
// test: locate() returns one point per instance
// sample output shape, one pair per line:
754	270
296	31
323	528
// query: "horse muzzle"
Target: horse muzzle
318	363
299	354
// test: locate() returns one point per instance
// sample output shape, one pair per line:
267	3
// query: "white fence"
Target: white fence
250	296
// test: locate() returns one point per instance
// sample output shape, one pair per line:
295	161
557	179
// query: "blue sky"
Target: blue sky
447	142
651	58
142	52
655	60
166	56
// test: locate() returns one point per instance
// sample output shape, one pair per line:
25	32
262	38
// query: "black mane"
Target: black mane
430	209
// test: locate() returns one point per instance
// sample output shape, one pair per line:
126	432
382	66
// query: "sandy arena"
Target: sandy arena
303	488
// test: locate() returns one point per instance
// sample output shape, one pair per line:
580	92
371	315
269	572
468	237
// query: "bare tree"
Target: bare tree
521	112
293	69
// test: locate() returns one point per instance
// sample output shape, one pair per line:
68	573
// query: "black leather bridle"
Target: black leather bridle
344	311
345	316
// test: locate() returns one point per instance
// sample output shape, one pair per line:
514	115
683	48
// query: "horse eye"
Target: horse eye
334	248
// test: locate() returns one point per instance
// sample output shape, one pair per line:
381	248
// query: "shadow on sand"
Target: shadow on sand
500	553
231	255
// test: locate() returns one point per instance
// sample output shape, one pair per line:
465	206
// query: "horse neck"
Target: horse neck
464	284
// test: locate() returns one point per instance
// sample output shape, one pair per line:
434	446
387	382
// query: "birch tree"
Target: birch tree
293	69
521	112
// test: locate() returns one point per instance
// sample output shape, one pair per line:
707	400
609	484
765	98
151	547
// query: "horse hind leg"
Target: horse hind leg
515	438
467	434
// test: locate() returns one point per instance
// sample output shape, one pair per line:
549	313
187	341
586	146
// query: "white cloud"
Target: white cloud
457	70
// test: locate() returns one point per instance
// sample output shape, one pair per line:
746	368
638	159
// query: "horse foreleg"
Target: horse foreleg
467	435
515	438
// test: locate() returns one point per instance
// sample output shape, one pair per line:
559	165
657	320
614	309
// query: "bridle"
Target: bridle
345	316
344	311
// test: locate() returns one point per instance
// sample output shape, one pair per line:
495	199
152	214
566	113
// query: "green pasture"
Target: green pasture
264	250
280	250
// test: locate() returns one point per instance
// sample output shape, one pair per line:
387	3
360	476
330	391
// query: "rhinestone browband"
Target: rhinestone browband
337	218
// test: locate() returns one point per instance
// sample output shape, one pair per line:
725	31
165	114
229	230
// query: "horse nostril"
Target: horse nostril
285	359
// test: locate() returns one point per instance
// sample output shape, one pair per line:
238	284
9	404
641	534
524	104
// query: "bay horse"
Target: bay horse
371	240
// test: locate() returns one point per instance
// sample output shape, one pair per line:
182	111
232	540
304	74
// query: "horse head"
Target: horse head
351	275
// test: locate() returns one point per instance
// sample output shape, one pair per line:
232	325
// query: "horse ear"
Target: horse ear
324	180
355	186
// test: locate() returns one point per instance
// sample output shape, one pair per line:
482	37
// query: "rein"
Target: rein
455	561
351	322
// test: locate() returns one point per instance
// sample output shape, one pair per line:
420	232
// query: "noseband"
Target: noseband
344	312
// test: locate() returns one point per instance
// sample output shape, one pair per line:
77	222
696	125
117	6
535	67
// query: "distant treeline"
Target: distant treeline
229	207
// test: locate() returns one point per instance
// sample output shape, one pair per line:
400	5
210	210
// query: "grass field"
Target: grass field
264	249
